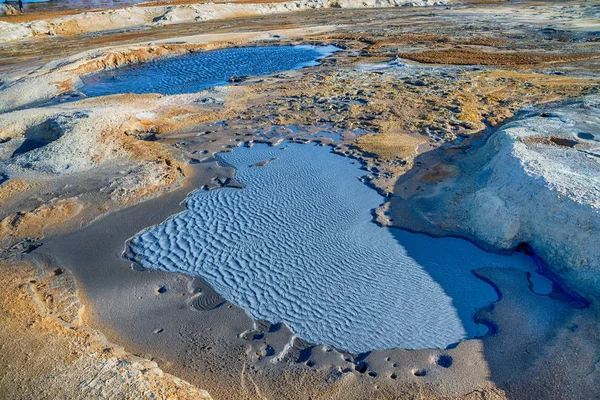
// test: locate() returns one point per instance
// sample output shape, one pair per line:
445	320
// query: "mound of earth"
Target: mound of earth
535	181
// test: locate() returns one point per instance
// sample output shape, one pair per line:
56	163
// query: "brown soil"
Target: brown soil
550	141
390	146
473	57
32	224
12	188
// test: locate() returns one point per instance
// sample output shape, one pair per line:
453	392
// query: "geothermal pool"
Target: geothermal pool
298	245
192	73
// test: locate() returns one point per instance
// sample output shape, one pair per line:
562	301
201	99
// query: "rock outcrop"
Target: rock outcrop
535	181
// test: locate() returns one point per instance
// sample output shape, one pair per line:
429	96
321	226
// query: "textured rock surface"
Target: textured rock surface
537	181
64	357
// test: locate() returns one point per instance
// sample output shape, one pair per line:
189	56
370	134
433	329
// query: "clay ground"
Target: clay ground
428	85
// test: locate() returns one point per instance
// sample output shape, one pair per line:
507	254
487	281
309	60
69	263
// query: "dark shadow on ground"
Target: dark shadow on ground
535	348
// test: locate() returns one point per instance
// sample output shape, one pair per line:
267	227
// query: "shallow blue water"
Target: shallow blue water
298	245
336	137
195	72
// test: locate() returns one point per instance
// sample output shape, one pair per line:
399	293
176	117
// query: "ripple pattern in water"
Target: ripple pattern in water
199	71
298	245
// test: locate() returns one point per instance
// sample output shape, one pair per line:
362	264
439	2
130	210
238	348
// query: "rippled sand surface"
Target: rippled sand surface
196	72
298	245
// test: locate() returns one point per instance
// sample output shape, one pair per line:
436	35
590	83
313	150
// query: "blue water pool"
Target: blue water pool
192	73
298	244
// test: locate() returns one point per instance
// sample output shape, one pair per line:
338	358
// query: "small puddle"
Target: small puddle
196	72
298	245
293	131
336	137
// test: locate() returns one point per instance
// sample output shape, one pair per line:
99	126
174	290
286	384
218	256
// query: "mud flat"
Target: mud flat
191	331
298	245
80	176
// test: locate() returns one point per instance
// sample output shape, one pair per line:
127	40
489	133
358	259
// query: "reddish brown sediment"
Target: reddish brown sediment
473	57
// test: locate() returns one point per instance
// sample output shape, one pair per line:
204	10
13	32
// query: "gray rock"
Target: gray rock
535	181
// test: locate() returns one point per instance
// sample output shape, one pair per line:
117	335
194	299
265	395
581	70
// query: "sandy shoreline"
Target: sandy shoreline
166	327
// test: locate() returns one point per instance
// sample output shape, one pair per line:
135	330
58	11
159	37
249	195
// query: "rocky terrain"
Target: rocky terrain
534	182
478	120
175	14
43	306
